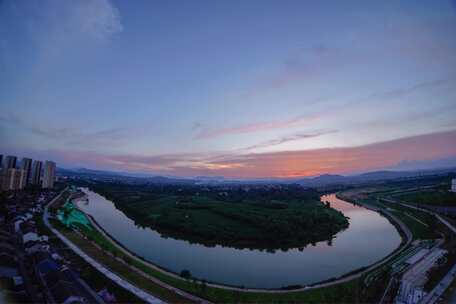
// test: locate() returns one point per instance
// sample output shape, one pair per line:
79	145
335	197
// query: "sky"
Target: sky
242	89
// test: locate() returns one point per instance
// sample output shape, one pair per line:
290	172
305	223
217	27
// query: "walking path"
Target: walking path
112	276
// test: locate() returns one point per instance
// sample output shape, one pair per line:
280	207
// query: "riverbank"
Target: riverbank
217	292
107	264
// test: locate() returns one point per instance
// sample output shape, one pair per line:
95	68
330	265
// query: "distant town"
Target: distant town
58	246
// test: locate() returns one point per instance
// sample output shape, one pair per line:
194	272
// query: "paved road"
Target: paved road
112	276
438	291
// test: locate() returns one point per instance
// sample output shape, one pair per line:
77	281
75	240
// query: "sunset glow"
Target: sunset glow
300	90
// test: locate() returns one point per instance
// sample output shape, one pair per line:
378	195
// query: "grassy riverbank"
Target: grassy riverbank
347	292
432	197
106	252
110	257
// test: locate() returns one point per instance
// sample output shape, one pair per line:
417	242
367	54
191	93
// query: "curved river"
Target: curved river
369	238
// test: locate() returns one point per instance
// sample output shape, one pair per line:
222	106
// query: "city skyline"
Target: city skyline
17	175
299	90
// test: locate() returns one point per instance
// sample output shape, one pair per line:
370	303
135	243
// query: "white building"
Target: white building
14	179
26	165
36	172
49	174
453	185
30	236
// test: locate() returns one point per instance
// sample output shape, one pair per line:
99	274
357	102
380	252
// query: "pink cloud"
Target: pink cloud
278	164
257	127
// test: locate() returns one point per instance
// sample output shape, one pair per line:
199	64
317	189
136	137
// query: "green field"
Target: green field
431	197
265	218
421	224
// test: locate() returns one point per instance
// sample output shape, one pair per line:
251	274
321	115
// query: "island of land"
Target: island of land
275	217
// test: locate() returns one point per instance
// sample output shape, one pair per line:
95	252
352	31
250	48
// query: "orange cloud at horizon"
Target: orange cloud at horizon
343	160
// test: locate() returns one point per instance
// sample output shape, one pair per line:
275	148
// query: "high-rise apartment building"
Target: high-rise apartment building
14	179
26	165
10	162
2	178
1	161
49	174
36	172
20	179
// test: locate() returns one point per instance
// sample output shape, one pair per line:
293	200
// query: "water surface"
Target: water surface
369	238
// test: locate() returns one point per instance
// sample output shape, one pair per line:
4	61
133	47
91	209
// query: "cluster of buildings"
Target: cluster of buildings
415	274
37	265
15	176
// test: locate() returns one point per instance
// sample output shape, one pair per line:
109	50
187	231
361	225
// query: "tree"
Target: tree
185	274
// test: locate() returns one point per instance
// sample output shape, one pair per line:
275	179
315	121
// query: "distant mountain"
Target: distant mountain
318	181
210	177
96	172
327	179
409	165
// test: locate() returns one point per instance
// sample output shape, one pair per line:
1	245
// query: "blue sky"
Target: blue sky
127	85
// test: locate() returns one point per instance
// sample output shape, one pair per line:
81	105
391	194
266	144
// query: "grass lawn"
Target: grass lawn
418	230
431	197
413	219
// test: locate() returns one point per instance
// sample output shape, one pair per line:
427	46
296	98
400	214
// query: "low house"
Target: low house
61	287
35	247
29	237
46	265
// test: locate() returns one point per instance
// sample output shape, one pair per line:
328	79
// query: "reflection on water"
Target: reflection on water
368	239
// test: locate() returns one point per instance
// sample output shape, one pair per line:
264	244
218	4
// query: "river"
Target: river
368	239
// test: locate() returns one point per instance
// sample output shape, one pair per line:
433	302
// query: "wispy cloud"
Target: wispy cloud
390	95
286	139
402	92
59	21
257	127
53	27
275	164
98	18
69	136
